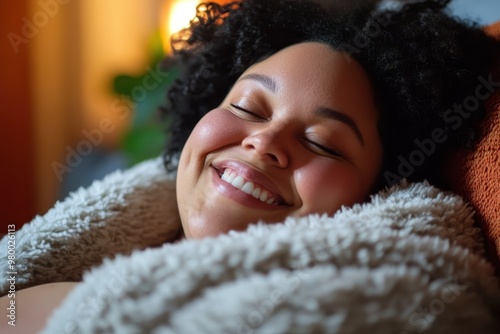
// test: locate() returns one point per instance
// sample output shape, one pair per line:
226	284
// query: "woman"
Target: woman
286	109
331	135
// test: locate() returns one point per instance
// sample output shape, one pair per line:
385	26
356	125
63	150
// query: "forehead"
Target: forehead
316	70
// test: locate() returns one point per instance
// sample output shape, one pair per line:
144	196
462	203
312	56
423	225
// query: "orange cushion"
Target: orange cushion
476	174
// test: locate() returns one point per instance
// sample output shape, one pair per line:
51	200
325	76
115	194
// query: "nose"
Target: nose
269	145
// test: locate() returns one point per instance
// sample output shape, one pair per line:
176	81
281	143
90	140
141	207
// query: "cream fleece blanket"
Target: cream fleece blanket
409	261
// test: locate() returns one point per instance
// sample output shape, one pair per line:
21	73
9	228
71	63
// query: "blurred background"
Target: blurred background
81	85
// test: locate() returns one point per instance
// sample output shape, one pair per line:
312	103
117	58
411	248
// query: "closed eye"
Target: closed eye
320	149
246	111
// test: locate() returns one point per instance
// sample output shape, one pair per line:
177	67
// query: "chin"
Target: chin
216	224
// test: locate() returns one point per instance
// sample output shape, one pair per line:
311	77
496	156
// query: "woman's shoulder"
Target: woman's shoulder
28	310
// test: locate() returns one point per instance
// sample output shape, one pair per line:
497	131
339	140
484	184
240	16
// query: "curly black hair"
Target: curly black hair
422	63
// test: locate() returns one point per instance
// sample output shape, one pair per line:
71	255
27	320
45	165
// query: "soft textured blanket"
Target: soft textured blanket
409	261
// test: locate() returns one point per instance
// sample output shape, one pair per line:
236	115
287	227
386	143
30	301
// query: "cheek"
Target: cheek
216	129
325	186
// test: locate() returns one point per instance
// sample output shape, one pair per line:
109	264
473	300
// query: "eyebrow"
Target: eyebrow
341	117
329	113
266	81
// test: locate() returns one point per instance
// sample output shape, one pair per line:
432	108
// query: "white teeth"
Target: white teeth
228	176
263	196
231	177
249	187
238	182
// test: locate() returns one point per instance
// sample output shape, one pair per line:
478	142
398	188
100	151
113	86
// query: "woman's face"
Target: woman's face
297	134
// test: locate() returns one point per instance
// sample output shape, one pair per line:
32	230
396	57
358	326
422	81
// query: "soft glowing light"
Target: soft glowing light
182	12
176	16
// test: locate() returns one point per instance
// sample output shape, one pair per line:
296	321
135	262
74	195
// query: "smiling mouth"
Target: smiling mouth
255	190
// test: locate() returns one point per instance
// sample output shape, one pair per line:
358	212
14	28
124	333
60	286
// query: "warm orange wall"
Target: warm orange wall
57	85
55	80
17	201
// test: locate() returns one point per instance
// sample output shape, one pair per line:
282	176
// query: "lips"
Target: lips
248	187
249	181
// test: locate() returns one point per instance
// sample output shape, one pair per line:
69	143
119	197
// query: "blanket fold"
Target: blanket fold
123	212
408	261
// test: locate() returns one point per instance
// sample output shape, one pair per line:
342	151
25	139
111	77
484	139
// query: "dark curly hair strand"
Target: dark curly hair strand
420	59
